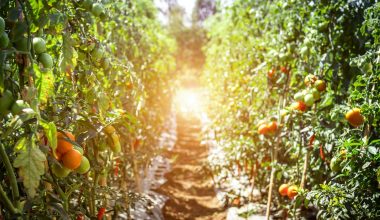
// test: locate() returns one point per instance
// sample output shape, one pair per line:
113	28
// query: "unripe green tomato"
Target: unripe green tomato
87	4
2	25
79	149
299	96
316	94
60	171
6	101
22	44
39	45
309	99
97	9
84	166
335	164
46	60
97	54
4	40
18	106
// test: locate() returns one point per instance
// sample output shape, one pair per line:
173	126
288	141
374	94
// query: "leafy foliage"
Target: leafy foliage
106	63
258	57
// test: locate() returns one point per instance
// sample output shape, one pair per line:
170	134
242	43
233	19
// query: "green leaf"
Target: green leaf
372	150
68	59
21	144
44	83
366	165
327	101
31	164
37	6
51	134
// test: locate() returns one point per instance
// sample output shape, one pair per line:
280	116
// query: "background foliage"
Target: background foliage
337	41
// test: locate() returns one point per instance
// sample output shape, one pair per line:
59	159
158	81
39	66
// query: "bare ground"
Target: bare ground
189	188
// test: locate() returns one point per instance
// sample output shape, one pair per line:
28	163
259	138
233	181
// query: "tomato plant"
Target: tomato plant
328	92
80	80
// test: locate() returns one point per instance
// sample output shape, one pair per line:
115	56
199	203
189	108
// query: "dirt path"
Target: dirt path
189	188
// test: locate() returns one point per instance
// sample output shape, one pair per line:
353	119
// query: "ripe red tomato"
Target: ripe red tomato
101	213
271	73
321	153
285	69
300	106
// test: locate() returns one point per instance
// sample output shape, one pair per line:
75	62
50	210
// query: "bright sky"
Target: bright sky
188	5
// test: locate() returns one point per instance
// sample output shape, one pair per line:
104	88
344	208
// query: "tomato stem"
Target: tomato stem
11	175
7	202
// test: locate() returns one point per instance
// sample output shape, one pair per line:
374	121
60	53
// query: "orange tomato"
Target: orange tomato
283	189
64	146
310	79
354	117
272	127
292	191
72	159
263	129
300	106
320	85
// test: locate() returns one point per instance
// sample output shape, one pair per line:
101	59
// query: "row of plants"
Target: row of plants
84	92
294	108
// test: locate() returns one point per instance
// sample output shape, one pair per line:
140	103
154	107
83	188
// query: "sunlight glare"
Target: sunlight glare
188	101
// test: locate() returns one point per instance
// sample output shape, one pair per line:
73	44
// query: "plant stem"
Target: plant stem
7	202
11	175
303	180
281	104
274	151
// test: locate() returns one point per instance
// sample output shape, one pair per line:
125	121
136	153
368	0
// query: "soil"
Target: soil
189	188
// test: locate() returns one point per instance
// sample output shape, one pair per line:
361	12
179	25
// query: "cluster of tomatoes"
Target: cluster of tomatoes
307	98
9	104
70	156
312	94
23	44
267	128
4	39
288	190
278	77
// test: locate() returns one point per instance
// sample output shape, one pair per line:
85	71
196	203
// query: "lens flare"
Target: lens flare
189	101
